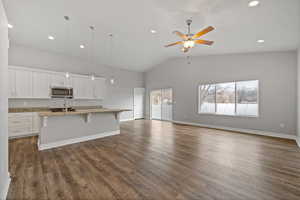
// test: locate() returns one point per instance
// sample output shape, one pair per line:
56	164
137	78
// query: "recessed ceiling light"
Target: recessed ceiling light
253	3
260	41
153	31
50	37
82	46
10	26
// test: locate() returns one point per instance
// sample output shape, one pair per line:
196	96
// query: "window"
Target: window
234	98
247	98
207	96
225	98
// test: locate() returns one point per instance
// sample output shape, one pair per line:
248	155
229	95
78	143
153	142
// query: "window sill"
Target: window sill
225	115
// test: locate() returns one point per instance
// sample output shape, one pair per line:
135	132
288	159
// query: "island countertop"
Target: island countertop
81	111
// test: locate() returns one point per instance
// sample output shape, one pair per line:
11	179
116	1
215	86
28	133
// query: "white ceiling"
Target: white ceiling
238	27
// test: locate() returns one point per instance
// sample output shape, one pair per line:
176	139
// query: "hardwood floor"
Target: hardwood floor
158	160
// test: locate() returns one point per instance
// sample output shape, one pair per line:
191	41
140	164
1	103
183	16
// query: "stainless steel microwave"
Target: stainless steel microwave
62	92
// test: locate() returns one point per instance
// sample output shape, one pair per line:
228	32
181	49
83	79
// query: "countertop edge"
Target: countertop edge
81	112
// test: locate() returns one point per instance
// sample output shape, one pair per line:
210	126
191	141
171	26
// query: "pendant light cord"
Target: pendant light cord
67	35
92	46
111	57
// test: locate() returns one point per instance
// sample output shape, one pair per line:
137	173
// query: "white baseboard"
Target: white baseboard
125	120
298	141
76	140
249	131
4	190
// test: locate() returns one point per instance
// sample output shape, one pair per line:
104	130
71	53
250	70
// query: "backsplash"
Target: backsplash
20	103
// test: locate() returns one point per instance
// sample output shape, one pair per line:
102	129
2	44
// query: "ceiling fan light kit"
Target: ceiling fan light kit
189	40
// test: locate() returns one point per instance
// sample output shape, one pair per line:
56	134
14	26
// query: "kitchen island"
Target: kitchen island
63	128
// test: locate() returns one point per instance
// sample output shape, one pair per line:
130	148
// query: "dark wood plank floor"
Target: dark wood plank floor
158	160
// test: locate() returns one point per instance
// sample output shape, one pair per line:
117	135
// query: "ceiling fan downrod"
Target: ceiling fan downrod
189	22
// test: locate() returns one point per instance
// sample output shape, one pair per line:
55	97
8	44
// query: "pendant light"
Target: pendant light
112	78
67	19
92	28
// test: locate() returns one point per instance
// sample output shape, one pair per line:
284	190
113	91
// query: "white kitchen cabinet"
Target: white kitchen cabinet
83	87
58	80
11	83
23	81
36	84
99	88
40	85
89	88
78	87
23	124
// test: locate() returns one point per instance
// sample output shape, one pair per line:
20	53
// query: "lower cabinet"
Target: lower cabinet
22	124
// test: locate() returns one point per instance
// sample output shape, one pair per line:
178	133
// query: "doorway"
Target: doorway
161	103
138	103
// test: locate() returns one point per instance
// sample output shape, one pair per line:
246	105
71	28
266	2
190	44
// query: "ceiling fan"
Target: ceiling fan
189	39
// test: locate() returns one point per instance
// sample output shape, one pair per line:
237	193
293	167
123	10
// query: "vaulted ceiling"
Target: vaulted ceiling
134	46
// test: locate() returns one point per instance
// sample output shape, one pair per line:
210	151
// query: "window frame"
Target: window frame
234	115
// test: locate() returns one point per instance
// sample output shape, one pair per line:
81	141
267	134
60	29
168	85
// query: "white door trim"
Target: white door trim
134	103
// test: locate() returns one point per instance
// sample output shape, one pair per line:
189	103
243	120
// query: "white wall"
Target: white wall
4	176
276	72
298	103
119	95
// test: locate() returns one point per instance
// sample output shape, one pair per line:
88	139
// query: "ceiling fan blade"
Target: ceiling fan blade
203	32
175	43
183	36
206	42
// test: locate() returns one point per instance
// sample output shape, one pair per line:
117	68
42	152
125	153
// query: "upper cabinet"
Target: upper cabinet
20	83
86	88
23	83
99	88
31	83
11	83
58	80
41	85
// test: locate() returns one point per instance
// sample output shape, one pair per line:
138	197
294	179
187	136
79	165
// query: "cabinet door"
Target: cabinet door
41	85
89	88
99	88
83	87
78	87
58	80
23	84
69	82
11	83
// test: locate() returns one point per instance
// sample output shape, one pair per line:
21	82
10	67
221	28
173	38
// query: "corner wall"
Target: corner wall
276	72
4	175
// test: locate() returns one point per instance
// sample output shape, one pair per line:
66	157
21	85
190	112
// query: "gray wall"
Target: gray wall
119	95
3	104
275	71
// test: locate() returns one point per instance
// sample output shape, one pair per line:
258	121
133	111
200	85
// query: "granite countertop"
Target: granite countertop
81	111
45	111
28	109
